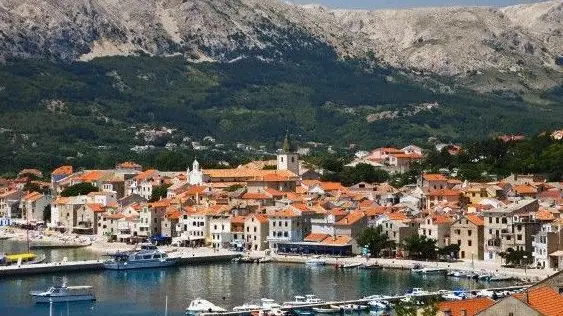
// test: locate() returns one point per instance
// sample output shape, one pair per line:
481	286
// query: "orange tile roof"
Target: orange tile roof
173	213
352	218
91	176
441	219
262	218
274	192
525	189
33	196
396	216
544	215
337	240
285	213
195	189
470	306
337	212
114	216
62	170
331	186
238	219
96	207
128	165
376	210
245	173
62	200
255	196
146	175
160	203
543	299
408	156
434	177
475	219
315	237
275	177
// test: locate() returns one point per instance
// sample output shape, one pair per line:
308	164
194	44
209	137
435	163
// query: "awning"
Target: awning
558	253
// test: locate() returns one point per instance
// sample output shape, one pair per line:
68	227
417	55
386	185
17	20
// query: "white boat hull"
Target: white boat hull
139	264
57	299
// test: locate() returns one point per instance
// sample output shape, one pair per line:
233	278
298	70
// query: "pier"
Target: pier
96	265
364	301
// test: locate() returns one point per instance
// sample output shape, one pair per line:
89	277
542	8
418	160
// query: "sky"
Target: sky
381	4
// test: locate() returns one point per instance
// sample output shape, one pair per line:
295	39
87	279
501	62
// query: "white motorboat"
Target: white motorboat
268	304
430	270
317	261
247	307
350	265
379	304
199	305
149	256
348	308
64	293
416	291
451	297
265	260
303	300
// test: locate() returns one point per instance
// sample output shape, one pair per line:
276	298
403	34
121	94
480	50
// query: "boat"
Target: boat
421	270
379	304
326	310
416	291
148	257
370	266
265	259
451	297
58	245
500	278
316	261
303	312
246	259
21	258
64	293
347	308
199	305
246	307
299	300
268	304
273	312
350	265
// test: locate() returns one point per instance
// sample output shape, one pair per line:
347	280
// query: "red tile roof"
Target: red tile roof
377	210
470	306
262	218
238	220
62	171
145	175
285	213
256	196
525	189
441	219
543	299
352	218
475	219
96	207
444	192
315	237
339	240
434	177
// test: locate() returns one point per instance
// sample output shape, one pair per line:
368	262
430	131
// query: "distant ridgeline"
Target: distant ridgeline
92	114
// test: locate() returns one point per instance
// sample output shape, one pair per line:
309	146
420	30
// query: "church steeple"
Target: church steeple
287	148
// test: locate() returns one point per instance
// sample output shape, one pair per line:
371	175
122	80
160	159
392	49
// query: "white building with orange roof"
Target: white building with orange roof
143	183
33	206
193	227
436	227
433	181
220	228
287	225
547	241
9	203
256	231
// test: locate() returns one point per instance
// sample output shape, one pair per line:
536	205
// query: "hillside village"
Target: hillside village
290	210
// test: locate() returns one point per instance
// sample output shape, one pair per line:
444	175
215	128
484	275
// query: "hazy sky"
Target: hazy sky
378	4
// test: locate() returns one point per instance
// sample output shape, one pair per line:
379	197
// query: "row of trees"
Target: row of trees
418	247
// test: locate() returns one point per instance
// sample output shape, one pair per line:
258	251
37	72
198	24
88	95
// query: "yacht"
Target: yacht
199	305
299	300
149	256
63	293
416	291
268	304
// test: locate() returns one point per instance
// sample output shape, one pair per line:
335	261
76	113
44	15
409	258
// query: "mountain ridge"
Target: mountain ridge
522	42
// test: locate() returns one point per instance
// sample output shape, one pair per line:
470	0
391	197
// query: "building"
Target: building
510	227
288	225
288	159
10	202
436	227
256	232
33	206
469	307
220	230
398	227
468	233
537	301
546	242
143	183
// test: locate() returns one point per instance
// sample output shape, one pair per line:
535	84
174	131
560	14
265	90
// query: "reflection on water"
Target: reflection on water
143	292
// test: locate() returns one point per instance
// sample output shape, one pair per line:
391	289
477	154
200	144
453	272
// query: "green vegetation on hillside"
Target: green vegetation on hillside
88	113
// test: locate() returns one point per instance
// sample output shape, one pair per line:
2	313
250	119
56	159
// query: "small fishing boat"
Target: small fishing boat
316	261
199	305
63	293
373	266
350	265
326	310
420	270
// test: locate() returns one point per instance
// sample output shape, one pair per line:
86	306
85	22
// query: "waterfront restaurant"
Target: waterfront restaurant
319	244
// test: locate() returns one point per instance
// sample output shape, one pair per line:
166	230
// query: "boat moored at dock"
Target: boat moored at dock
148	257
316	261
199	306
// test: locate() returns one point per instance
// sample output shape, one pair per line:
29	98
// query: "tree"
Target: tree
79	189
375	239
420	247
430	309
362	173
159	192
450	250
405	309
512	256
234	187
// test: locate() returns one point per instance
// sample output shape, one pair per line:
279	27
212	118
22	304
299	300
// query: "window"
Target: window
254	228
469	232
490	220
292	159
281	159
497	220
285	234
285	224
459	242
469	243
503	220
519	237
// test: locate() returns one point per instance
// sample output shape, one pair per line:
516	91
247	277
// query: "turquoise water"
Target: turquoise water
143	292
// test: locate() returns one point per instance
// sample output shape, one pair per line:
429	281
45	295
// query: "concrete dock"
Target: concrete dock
96	265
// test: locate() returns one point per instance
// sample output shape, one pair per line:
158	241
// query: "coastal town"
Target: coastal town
281	208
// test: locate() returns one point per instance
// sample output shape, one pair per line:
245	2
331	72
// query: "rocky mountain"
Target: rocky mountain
515	47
